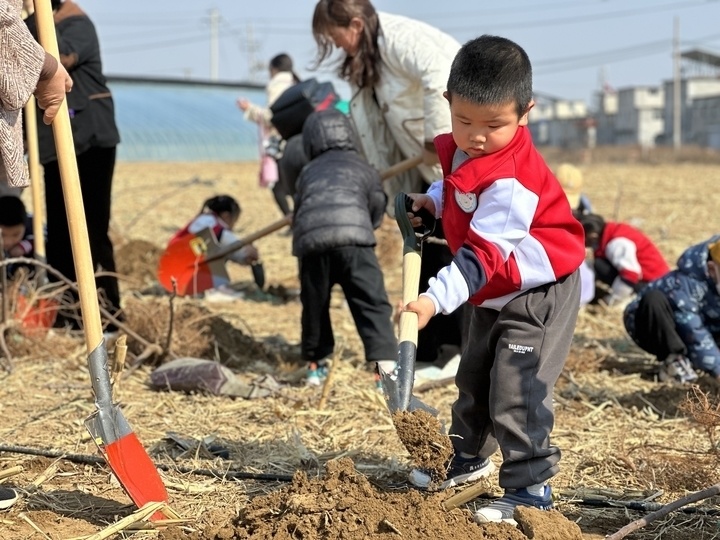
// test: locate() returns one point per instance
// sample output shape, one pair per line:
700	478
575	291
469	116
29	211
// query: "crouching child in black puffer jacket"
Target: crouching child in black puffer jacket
339	201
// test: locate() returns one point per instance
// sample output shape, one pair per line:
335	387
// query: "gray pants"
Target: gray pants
506	377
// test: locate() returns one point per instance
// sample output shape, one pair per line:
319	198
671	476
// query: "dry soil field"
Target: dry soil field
624	436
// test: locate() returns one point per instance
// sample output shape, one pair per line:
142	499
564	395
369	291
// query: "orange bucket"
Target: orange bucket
36	316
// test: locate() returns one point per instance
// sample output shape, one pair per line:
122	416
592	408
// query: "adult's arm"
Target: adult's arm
23	61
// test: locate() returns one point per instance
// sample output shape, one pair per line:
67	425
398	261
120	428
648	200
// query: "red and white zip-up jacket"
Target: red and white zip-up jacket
507	222
631	253
225	237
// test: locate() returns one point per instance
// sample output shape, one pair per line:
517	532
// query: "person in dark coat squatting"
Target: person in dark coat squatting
677	317
338	203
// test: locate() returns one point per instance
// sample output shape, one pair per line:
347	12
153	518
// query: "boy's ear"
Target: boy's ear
446	95
525	117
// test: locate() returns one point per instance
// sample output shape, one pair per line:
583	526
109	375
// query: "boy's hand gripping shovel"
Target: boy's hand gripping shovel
398	387
111	432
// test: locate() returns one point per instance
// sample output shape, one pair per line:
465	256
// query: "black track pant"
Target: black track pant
95	169
655	326
356	270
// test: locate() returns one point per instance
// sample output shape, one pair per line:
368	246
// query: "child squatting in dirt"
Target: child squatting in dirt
516	252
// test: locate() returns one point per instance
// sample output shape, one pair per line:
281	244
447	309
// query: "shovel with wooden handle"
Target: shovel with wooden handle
111	432
398	386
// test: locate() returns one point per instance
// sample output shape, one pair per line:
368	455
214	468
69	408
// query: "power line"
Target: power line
560	21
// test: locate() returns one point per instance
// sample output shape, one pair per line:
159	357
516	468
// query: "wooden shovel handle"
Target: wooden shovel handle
401	167
249	239
410	289
77	223
35	180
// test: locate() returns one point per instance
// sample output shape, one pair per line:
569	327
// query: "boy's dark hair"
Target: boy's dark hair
12	211
222	203
492	70
592	224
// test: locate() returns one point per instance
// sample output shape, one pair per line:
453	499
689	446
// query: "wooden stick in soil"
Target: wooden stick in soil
146	511
329	380
467	494
12	471
665	510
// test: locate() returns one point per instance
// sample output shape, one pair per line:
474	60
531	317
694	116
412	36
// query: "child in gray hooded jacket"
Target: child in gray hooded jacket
339	201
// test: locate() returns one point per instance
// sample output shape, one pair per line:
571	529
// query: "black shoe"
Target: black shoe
461	471
7	497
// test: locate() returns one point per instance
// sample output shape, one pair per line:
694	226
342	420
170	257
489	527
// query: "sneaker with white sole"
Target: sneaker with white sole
316	373
8	497
677	368
461	471
503	509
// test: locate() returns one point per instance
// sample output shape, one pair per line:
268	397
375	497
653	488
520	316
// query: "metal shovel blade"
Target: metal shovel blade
127	458
398	386
258	272
117	442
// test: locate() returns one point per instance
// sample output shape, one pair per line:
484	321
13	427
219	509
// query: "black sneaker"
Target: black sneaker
7	497
461	471
504	508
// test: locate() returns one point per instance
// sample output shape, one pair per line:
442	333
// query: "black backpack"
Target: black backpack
295	104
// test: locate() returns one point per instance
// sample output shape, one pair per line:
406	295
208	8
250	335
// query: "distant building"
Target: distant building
705	122
558	122
697	97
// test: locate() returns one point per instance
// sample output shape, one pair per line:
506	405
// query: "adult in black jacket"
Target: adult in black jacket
95	134
339	201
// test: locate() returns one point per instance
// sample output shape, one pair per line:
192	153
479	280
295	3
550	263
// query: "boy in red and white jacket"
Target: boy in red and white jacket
625	258
517	249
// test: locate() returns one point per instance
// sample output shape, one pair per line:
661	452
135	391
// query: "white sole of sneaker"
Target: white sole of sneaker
480	519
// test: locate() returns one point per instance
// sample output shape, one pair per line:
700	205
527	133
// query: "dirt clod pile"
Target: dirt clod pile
345	505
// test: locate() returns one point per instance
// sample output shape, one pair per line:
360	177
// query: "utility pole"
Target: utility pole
214	45
677	87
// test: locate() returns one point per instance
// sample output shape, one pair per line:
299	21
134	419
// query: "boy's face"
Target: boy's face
479	130
11	235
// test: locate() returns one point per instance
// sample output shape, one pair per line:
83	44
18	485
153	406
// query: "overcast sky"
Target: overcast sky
573	44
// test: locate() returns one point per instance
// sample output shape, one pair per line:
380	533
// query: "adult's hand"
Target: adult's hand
51	89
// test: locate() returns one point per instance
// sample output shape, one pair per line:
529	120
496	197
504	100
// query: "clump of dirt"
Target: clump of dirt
546	525
137	261
423	437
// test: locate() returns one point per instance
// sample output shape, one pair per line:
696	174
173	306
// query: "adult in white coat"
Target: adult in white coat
397	69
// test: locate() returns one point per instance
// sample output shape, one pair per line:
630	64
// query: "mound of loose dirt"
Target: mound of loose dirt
189	329
137	262
344	505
